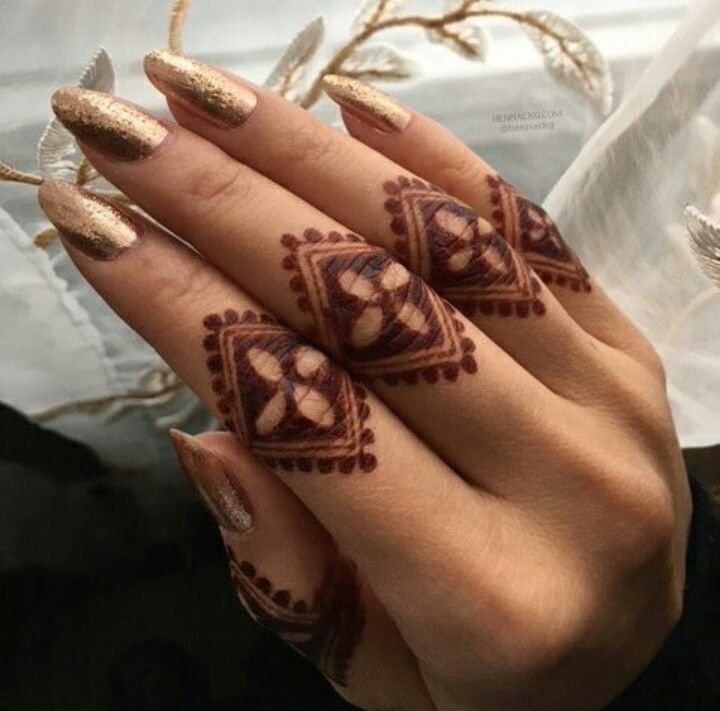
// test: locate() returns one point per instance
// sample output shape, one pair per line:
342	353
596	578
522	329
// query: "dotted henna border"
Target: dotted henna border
226	402
431	373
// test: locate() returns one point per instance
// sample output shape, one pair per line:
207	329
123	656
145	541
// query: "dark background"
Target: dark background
100	610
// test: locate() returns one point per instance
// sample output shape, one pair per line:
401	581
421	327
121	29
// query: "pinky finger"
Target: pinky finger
291	578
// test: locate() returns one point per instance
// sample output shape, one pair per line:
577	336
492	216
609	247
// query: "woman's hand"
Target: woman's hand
496	518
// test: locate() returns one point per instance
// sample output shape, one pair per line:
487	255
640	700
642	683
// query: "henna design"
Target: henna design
381	319
326	631
460	256
530	230
284	399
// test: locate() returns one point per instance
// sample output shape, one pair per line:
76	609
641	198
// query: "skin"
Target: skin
511	531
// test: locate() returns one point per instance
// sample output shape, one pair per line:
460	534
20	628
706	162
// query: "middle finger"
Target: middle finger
350	297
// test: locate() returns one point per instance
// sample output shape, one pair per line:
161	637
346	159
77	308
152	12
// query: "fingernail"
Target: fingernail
368	104
92	225
116	128
226	500
219	99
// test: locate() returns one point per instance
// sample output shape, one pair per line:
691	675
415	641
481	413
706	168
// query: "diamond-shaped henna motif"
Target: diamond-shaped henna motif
326	630
528	228
284	399
368	309
465	260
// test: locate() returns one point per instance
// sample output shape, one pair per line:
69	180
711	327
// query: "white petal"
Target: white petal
272	414
368	327
265	364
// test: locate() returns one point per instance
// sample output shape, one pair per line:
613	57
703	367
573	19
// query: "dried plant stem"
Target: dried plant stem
83	173
13	175
178	15
334	66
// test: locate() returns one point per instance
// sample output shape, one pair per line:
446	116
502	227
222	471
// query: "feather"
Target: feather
371	12
378	62
291	67
466	38
571	56
57	143
704	236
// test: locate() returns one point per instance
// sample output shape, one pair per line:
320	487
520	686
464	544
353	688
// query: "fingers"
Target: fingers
290	577
349	297
433	153
293	407
448	244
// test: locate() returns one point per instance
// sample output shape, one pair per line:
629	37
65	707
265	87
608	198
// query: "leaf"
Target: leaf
571	56
371	12
466	38
57	143
378	62
704	242
291	67
45	237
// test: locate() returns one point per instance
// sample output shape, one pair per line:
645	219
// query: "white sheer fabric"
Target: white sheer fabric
70	363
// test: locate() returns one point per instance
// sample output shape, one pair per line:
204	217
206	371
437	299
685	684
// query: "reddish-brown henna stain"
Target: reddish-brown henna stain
326	630
460	256
284	399
369	310
531	231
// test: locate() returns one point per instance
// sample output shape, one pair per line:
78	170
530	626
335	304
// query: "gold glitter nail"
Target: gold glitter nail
109	125
95	226
219	99
367	103
218	489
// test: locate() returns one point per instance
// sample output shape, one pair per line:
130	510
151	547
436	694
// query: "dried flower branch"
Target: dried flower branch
569	54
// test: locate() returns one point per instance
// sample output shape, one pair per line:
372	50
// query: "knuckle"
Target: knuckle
645	518
459	171
187	284
301	145
543	635
216	186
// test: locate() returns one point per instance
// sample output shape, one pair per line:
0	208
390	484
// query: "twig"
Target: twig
13	175
178	15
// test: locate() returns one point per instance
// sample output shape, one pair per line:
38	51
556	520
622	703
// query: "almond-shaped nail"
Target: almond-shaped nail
116	128
367	103
96	227
219	490
219	99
